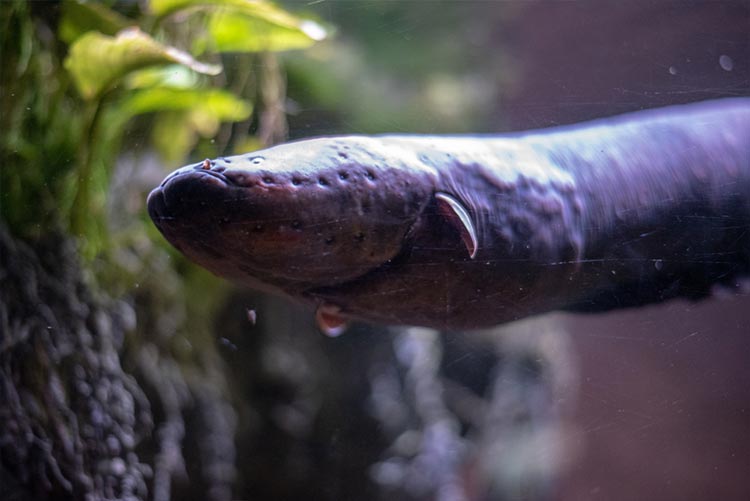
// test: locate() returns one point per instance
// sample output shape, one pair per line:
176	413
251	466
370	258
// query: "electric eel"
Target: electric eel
463	232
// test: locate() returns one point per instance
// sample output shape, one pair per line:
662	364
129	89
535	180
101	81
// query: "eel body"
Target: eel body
473	231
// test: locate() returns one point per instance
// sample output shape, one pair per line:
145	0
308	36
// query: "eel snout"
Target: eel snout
189	208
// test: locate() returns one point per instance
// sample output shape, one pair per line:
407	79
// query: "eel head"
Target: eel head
295	217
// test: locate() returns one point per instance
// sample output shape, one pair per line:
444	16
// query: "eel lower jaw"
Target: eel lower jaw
337	295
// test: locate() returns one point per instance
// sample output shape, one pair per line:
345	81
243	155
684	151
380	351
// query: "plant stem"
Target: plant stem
81	209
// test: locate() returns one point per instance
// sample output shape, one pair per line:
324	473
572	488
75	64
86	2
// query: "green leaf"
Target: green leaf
249	25
173	75
231	31
81	17
173	135
97	61
185	115
214	103
262	9
248	145
166	7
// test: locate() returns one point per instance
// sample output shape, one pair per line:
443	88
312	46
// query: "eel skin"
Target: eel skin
472	231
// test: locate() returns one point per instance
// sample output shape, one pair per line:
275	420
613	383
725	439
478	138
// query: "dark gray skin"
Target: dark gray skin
613	213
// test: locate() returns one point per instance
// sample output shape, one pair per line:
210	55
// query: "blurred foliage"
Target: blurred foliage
96	61
83	80
79	18
415	67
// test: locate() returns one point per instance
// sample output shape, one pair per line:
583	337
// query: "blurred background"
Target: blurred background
128	373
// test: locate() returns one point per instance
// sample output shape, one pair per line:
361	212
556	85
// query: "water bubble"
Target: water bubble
658	264
726	62
672	70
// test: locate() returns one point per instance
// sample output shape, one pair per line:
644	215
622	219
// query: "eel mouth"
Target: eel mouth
173	202
157	207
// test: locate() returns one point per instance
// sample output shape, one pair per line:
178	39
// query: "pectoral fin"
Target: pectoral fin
459	218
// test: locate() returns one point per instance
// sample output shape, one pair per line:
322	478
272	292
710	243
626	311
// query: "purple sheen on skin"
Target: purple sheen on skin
472	231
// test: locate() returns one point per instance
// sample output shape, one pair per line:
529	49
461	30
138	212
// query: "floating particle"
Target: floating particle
252	316
228	344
